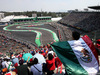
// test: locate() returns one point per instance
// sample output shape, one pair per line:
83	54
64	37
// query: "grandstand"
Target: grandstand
84	22
12	19
34	19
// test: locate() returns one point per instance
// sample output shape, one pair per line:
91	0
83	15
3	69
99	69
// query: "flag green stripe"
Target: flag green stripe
68	58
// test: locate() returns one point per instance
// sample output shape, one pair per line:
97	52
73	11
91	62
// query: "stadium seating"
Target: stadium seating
87	21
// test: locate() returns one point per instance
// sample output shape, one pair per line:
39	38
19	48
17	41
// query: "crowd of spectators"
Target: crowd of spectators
9	45
12	51
87	21
15	64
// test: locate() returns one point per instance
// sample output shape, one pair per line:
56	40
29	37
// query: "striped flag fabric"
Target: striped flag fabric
79	57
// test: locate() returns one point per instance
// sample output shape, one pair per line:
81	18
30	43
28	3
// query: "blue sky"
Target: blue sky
46	5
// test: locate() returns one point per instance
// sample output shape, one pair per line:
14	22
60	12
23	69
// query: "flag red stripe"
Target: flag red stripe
91	46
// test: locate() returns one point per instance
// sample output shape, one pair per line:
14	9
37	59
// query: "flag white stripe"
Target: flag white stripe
91	67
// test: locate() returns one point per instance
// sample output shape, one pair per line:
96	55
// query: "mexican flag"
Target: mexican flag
78	56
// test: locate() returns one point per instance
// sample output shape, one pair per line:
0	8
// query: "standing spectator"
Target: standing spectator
97	46
15	60
15	70
75	35
22	69
4	63
36	69
50	61
9	64
49	47
77	55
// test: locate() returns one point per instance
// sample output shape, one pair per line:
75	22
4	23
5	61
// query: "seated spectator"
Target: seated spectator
36	69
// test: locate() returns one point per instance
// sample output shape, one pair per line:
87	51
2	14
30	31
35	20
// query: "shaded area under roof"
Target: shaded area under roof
94	7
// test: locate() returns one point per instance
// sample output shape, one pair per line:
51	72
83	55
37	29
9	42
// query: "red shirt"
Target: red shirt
51	64
8	74
15	70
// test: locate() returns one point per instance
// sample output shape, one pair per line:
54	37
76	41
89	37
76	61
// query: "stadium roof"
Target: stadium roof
94	7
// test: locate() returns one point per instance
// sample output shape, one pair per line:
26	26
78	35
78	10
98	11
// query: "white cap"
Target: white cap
13	57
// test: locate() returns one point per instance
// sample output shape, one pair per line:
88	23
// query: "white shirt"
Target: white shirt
35	71
7	65
4	64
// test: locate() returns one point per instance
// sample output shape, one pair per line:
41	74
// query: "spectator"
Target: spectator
9	64
22	69
97	46
36	69
15	70
15	60
75	35
4	63
50	61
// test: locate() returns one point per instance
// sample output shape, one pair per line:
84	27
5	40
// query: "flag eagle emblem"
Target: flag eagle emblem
86	56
